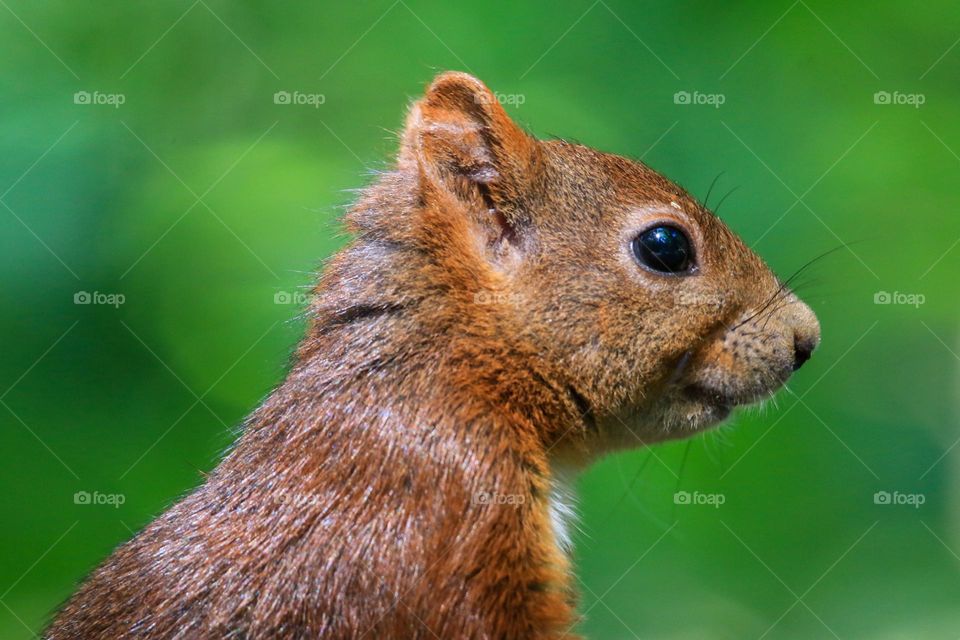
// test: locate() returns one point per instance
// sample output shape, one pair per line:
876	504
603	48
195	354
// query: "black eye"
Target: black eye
665	249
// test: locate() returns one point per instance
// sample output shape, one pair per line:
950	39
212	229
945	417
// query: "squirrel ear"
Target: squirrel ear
460	139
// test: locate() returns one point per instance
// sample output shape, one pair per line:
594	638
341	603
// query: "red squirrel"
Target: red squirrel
508	308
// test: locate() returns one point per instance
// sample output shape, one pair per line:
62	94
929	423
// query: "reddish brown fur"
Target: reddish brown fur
485	323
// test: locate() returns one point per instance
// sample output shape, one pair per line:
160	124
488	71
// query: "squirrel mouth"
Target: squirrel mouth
723	404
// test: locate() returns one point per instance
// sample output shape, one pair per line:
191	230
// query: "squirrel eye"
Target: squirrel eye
665	249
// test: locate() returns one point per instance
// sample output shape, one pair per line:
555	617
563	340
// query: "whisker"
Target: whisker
786	283
706	198
714	438
629	488
683	465
716	209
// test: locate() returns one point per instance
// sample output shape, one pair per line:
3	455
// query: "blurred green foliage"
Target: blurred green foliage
205	203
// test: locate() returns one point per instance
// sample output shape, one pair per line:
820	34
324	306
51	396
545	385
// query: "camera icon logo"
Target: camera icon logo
81	97
882	297
282	297
881	97
82	297
681	97
681	497
281	97
881	497
81	497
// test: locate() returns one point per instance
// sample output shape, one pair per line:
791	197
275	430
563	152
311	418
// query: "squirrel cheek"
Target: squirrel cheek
715	361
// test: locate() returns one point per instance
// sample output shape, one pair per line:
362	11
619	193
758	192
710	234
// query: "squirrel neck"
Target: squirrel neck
384	367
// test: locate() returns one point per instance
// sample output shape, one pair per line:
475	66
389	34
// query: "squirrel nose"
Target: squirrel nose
806	332
803	347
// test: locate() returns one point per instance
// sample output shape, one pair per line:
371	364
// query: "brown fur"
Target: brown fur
487	321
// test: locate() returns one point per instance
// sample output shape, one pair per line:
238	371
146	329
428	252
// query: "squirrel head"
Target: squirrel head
609	279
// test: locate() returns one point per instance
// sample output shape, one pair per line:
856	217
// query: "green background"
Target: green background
199	200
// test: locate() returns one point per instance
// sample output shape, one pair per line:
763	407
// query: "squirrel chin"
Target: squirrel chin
679	414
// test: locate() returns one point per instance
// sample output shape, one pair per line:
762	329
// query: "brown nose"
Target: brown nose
806	332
